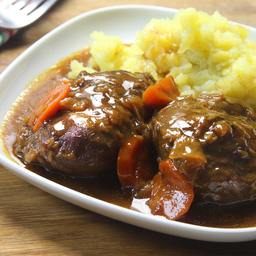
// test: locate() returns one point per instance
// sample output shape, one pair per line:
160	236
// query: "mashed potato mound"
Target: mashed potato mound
204	53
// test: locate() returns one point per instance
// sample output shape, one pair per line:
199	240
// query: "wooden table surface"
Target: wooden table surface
33	222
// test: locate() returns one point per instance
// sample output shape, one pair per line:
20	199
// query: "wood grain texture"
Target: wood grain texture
33	222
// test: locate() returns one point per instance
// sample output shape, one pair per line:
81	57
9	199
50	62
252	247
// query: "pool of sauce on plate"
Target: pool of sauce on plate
107	187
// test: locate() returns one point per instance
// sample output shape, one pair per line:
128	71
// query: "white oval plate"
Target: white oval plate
123	21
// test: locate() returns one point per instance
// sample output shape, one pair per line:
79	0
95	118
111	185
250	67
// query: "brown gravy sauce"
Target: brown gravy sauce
107	187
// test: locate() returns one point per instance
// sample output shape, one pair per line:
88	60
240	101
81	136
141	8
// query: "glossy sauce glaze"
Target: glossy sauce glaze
99	113
211	138
107	186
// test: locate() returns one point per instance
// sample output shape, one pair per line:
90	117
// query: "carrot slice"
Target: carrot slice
135	164
160	94
49	105
172	194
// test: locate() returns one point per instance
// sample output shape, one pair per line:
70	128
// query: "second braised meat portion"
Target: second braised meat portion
212	140
83	138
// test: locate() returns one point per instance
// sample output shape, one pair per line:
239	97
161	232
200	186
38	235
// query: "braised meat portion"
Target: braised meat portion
212	140
83	138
